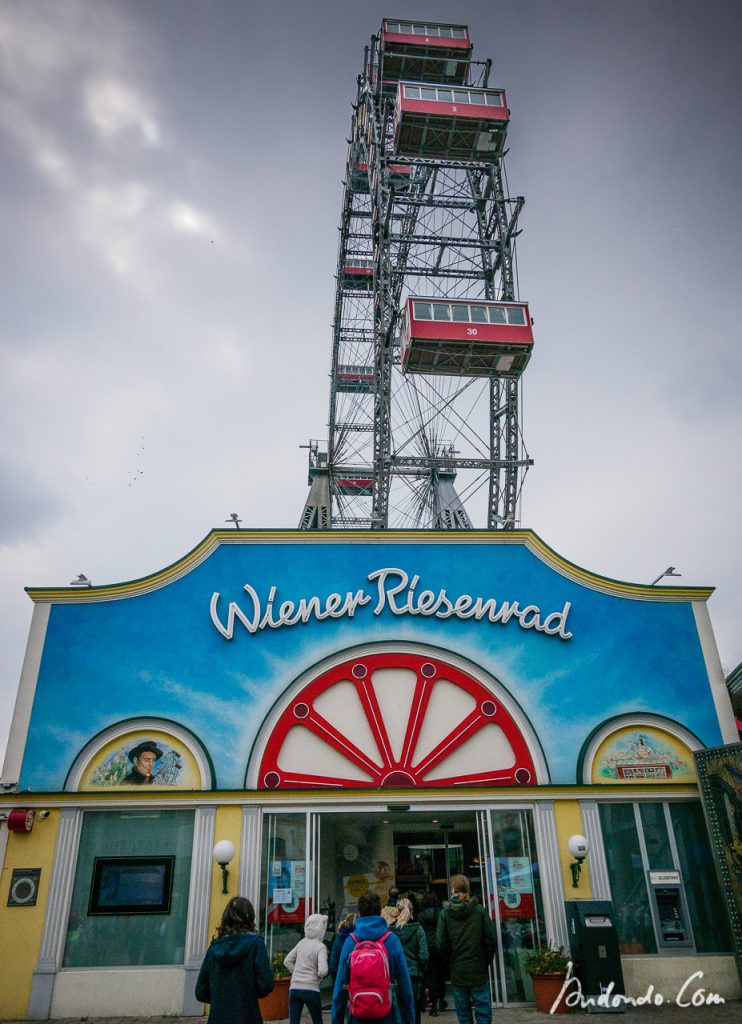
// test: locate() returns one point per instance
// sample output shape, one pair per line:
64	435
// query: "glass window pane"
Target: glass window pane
494	99
460	314
422	311
420	30
441	311
705	904
392	26
656	838
459	33
405	30
478	314
517	875
412	92
428	94
445	95
284	867
497	315
461	95
517	315
628	883
130	939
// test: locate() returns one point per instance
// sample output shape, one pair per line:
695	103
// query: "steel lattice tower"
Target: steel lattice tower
426	213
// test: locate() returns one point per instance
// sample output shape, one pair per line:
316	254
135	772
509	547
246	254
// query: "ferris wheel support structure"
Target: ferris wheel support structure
429	336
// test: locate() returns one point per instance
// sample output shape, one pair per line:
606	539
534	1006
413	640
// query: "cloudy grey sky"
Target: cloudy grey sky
169	201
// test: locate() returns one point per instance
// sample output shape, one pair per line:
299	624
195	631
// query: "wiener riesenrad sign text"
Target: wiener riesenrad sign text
394	590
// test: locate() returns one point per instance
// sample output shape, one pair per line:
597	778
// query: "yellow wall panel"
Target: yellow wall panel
228	826
569	823
21	927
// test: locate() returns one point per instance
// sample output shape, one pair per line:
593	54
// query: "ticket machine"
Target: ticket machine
593	942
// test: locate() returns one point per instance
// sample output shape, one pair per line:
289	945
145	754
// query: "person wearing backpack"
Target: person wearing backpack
466	939
372	982
307	962
415	948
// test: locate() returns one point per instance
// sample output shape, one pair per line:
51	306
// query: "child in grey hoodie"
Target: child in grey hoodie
307	962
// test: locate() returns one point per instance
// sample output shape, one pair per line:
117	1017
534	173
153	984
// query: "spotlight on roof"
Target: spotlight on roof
81	581
234	518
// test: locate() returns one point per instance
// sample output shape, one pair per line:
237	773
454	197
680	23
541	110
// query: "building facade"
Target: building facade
355	710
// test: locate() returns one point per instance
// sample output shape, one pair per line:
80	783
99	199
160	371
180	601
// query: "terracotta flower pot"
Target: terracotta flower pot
276	1005
546	988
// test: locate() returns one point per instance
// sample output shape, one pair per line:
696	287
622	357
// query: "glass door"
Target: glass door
489	901
283	900
513	893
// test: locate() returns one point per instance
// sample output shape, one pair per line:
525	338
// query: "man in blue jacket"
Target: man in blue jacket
371	925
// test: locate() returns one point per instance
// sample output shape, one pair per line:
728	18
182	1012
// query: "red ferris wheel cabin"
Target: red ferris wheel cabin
399	176
358	273
453	124
430	51
466	338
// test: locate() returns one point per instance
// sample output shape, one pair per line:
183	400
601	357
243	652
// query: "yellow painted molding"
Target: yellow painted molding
473	796
527	538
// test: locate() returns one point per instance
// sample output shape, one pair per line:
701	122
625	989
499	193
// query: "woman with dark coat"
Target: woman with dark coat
235	972
346	929
415	948
430	909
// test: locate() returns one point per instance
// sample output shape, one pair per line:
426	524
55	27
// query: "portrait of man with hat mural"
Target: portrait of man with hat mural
143	757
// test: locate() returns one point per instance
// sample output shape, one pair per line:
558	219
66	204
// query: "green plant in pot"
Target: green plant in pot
548	968
275	1006
277	966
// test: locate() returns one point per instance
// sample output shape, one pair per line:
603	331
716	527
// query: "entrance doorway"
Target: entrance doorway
322	862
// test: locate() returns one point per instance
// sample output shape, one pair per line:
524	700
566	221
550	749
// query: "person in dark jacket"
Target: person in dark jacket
339	941
371	925
235	972
435	979
415	948
466	939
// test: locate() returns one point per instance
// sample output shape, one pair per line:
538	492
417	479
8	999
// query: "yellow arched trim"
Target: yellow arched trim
531	540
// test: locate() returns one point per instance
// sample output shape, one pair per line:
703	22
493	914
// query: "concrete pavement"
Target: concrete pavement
728	1013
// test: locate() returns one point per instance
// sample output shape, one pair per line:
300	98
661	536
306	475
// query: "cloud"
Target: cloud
27	504
117	111
187	219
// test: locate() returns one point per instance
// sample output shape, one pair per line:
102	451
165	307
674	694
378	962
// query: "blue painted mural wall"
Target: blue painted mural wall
160	654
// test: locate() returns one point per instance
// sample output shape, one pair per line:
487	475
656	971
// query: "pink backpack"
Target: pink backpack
369	986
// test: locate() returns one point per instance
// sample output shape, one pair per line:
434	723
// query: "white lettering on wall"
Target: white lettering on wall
394	591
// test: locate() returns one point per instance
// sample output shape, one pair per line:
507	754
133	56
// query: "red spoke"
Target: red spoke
420	701
335	739
295	780
466	728
375	719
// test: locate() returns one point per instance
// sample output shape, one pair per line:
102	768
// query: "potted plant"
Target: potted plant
275	1006
548	968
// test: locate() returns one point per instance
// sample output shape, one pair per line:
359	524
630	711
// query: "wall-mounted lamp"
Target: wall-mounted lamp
579	847
223	854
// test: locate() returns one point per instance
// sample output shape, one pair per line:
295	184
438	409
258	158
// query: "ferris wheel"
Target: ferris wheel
429	336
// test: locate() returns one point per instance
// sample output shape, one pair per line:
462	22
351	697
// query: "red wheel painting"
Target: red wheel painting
395	720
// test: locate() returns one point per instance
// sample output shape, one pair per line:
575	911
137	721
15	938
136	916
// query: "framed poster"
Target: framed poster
131	885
